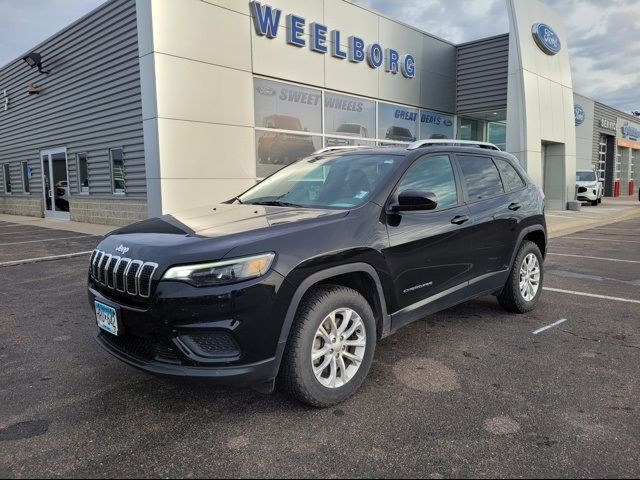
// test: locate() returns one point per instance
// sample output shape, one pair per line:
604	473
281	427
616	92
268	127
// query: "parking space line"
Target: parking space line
593	258
540	330
24	231
43	259
608	239
593	295
46	240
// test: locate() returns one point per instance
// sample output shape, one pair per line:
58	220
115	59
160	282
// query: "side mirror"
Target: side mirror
414	200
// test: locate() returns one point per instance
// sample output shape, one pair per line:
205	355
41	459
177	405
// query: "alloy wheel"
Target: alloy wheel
338	348
529	277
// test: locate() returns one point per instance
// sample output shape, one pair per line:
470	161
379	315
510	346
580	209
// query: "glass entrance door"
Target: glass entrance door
55	181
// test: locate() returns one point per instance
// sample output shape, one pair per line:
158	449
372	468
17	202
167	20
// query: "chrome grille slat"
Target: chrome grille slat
124	275
120	277
131	277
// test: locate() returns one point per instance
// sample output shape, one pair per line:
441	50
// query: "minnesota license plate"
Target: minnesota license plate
107	318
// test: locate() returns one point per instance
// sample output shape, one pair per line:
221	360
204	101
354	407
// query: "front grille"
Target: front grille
142	348
123	275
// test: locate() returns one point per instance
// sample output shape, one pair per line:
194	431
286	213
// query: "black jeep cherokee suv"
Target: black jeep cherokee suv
300	276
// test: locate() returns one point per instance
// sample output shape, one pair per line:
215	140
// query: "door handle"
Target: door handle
515	206
460	219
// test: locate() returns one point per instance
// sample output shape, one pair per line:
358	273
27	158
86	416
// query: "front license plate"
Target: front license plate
107	318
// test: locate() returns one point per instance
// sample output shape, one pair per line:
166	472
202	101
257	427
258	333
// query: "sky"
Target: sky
603	35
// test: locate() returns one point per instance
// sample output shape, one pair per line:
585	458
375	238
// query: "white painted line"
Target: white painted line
594	258
608	239
46	240
540	330
592	295
44	259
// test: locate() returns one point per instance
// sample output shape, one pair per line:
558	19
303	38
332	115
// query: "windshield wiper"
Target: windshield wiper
275	203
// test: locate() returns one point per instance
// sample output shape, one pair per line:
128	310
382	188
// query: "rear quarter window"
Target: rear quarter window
511	177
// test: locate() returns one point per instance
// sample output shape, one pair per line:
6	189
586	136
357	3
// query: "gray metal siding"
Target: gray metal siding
482	75
91	102
602	112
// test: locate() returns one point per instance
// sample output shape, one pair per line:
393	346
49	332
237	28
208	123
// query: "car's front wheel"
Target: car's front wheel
524	285
330	348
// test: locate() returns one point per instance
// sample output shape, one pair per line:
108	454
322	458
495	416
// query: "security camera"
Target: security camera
32	89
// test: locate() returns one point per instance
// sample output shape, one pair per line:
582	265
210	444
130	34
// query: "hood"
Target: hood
209	233
587	184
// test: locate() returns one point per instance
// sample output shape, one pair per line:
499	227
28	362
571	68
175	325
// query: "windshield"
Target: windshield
338	181
586	176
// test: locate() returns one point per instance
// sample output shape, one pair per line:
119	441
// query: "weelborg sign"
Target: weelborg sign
547	39
266	20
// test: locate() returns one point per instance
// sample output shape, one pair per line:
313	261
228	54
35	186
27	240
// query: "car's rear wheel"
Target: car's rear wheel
330	348
524	285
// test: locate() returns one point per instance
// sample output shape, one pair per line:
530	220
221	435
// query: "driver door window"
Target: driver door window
432	174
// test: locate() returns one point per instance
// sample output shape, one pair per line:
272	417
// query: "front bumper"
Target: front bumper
225	334
586	194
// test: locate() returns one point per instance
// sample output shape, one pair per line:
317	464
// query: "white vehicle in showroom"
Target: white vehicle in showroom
588	187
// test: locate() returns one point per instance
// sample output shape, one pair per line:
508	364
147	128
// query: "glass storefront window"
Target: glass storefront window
434	125
497	134
484	127
279	149
348	117
287	107
397	123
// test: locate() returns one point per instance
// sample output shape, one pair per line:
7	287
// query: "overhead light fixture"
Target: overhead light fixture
32	89
34	59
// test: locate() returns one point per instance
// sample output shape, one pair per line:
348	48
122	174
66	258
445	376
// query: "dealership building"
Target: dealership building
154	106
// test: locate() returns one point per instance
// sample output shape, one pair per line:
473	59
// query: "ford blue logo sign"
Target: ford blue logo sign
579	113
547	39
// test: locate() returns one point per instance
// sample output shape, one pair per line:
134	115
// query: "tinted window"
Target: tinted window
83	173
432	174
481	176
512	179
117	166
26	177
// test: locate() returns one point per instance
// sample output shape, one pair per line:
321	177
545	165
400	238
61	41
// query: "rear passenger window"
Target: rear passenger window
512	179
481	176
432	174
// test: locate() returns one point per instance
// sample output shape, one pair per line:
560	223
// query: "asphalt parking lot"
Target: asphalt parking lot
469	392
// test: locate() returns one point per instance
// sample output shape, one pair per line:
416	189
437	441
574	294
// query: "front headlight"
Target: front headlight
223	272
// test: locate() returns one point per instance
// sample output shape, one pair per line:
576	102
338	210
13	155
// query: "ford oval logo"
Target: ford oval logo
266	91
547	39
580	114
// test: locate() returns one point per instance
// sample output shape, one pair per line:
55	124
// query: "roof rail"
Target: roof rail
339	148
453	143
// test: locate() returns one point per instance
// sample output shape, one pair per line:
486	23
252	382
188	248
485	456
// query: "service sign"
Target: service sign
579	114
321	39
547	39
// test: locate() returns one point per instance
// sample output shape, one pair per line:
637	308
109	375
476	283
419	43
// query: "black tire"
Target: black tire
600	200
296	374
594	203
511	299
